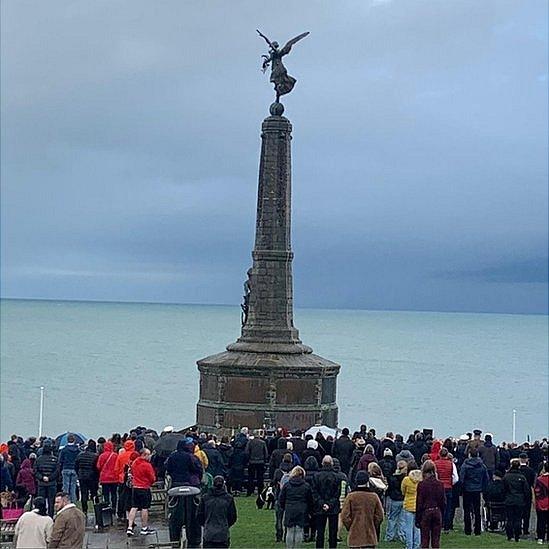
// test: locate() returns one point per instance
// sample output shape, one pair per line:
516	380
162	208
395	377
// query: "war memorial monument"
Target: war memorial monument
268	377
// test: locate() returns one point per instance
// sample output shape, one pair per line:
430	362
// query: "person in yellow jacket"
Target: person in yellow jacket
201	455
409	490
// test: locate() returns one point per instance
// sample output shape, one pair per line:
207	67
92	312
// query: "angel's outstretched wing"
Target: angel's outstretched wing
286	49
263	36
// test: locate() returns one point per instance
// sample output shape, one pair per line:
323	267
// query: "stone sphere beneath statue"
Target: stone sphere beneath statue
276	109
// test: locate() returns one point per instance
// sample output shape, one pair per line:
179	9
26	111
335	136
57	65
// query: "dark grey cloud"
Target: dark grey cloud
527	271
130	142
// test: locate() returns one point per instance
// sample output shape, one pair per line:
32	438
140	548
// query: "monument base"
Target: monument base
266	390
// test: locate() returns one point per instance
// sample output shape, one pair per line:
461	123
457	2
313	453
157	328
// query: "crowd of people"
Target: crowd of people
316	485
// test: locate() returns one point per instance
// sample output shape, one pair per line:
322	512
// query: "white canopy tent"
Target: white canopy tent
325	430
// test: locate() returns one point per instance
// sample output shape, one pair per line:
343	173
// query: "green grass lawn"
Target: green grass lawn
255	528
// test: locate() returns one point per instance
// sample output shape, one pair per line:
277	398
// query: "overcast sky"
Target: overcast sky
130	148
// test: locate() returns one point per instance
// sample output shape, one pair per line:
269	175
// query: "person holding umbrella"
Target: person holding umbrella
163	447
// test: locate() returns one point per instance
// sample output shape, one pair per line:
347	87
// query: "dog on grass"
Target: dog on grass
266	498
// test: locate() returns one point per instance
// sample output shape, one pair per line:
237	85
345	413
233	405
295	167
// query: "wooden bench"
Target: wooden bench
159	500
7	529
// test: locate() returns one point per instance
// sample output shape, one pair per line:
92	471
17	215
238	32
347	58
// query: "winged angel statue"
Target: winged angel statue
283	82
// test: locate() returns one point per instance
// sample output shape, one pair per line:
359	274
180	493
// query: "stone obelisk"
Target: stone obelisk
268	377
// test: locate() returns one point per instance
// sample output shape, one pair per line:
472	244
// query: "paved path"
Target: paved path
115	537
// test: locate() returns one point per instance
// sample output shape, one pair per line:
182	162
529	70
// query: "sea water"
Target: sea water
107	367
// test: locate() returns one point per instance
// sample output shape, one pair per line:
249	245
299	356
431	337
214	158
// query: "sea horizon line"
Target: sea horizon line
237	305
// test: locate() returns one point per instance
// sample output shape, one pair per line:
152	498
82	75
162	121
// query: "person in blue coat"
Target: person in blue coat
67	460
474	480
183	466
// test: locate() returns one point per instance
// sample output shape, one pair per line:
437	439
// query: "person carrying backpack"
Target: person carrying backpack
126	488
280	478
121	467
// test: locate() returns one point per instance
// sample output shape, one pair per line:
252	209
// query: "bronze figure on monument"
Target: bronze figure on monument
245	306
283	82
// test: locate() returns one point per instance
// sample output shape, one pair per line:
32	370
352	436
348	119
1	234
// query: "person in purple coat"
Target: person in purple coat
430	505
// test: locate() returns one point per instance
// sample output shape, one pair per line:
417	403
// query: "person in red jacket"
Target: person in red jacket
25	484
142	478
434	454
124	493
541	490
445	468
106	464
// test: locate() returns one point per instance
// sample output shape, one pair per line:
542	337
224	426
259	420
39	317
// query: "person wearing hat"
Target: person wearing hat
183	466
356	457
387	442
476	441
388	463
362	514
216	514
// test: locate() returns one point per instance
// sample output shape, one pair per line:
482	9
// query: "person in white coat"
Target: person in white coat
33	529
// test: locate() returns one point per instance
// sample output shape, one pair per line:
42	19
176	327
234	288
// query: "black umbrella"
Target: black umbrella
61	440
167	443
